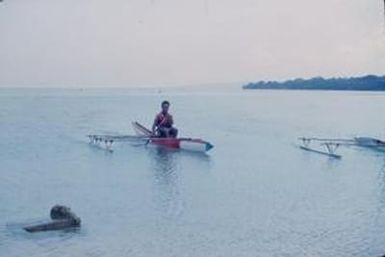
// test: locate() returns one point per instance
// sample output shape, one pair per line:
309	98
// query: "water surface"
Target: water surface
254	194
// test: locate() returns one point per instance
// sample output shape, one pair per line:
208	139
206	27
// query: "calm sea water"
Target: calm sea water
254	194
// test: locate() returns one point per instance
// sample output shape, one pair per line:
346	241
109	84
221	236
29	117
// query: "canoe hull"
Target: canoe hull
369	142
189	144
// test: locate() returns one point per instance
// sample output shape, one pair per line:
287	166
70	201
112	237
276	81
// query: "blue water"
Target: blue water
254	194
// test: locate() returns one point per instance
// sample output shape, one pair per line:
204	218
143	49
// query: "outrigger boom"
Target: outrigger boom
108	140
331	147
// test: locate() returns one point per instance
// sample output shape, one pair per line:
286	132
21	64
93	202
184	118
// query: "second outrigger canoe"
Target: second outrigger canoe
191	144
332	144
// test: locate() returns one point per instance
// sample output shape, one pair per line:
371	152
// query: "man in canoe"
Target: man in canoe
163	122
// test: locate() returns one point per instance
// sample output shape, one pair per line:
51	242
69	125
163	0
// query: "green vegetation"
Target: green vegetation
368	83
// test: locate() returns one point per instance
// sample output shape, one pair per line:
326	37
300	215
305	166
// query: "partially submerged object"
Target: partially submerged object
144	137
62	218
330	145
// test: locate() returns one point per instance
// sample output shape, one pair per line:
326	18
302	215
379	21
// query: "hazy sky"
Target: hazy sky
186	42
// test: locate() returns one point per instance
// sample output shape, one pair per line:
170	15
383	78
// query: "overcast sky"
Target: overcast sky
135	43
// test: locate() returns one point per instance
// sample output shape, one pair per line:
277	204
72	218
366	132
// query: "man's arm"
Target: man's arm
154	125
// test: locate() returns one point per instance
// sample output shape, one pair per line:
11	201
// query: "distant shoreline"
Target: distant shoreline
365	83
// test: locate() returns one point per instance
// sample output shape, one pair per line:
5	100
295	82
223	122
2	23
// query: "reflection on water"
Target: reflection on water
166	180
166	167
381	187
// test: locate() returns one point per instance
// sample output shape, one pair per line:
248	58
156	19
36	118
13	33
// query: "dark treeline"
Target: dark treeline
369	82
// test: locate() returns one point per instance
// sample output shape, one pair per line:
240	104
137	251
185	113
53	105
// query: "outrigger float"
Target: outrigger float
331	145
144	137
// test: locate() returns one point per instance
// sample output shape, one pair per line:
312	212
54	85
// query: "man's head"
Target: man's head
165	105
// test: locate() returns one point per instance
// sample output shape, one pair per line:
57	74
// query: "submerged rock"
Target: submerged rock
62	218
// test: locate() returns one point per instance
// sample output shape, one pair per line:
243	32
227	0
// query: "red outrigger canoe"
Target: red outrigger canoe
191	144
